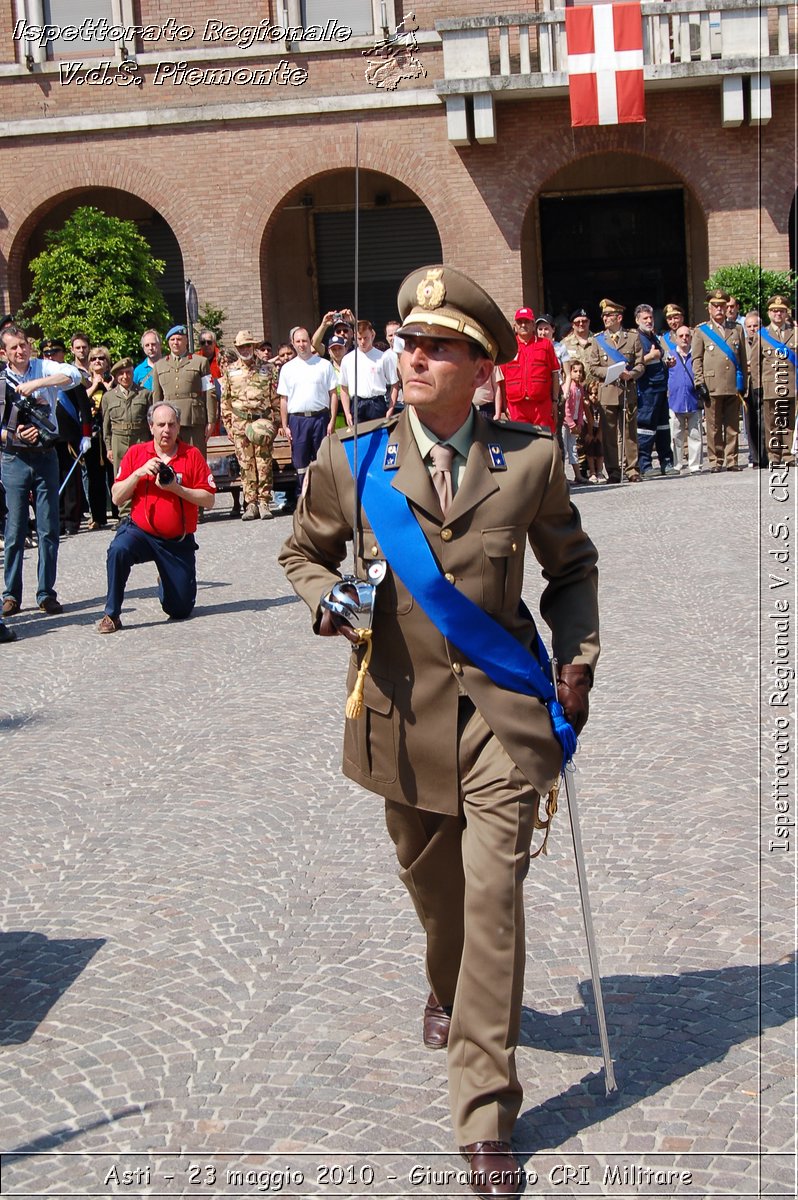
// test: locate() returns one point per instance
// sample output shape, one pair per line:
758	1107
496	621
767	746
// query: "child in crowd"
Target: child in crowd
574	418
594	433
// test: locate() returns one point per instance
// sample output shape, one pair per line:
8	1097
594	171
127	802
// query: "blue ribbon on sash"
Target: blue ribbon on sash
476	634
784	351
739	382
611	351
669	342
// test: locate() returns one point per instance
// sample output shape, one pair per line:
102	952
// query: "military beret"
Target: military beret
123	364
670	310
177	329
578	312
440	301
778	302
718	296
610	306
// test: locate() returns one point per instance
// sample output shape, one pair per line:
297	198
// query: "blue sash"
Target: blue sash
476	634
611	351
739	382
784	351
66	403
669	342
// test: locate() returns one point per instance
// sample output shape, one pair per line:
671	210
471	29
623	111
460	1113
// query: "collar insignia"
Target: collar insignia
391	455
497	459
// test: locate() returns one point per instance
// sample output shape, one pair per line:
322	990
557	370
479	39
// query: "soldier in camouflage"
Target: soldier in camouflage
251	415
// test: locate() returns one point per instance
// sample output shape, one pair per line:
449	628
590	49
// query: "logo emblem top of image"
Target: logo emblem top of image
431	293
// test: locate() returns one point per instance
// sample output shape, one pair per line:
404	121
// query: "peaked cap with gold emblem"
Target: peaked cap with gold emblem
440	301
778	302
611	306
718	296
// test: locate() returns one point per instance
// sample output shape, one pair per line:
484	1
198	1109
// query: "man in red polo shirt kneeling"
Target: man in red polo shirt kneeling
168	481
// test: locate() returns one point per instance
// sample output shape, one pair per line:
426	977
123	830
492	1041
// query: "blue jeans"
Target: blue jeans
27	471
175	558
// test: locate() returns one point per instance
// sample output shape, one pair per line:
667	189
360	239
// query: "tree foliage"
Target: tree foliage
752	286
97	275
211	318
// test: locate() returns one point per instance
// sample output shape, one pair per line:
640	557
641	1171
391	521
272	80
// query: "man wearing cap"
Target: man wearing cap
532	378
674	318
73	410
251	416
124	410
773	380
184	380
342	324
579	341
720	365
619	398
461	762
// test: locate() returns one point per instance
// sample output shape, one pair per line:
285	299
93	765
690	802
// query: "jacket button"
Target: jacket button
449	577
374	552
446	535
458	670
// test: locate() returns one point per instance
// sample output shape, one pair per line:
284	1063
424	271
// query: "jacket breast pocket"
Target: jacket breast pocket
502	566
370	741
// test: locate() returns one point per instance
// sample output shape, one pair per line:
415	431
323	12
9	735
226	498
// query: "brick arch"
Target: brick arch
31	205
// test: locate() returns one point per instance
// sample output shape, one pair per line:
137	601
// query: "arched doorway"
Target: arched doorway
308	254
149	222
617	225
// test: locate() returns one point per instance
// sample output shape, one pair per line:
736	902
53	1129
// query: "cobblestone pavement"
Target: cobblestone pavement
211	975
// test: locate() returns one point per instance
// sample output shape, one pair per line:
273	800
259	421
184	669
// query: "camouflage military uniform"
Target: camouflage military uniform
249	394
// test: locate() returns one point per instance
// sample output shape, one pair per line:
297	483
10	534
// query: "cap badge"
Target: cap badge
431	293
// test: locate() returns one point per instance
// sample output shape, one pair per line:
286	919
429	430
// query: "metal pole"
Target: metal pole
353	395
610	1086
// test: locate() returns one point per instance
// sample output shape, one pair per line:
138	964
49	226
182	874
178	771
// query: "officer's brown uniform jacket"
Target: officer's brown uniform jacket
771	371
125	419
714	368
630	346
405	745
178	381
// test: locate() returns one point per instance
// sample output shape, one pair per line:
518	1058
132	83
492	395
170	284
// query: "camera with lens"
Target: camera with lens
31	413
165	474
338	318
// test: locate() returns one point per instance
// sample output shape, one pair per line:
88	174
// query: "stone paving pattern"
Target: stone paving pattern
206	950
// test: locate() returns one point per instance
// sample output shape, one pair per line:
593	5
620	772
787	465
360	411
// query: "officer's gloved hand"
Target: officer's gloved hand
331	624
573	690
85	444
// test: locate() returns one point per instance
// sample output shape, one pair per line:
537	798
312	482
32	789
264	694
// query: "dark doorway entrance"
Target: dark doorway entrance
629	246
393	242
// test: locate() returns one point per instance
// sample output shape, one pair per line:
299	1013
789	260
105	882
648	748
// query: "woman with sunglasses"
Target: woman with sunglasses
99	471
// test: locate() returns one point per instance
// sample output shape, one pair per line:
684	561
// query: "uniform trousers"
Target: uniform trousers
26	471
175	558
616	454
754	417
465	875
722	423
779	421
195	436
307	431
653	429
255	461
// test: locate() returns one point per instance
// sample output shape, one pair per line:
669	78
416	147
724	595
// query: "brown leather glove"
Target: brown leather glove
573	690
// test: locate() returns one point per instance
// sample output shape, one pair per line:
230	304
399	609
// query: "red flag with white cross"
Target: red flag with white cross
605	64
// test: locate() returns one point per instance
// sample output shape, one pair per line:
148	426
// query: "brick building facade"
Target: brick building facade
246	184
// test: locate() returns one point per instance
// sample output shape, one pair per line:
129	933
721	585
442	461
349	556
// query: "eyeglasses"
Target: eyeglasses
206	341
99	358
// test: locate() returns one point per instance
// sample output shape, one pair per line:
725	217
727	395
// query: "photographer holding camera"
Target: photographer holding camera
168	482
29	431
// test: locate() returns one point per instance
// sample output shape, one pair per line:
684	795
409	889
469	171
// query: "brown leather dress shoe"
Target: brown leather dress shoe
51	606
493	1169
437	1020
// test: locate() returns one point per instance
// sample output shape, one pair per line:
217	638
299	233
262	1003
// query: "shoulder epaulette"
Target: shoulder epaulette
365	427
524	427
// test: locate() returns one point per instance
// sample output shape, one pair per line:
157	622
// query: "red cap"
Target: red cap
524	314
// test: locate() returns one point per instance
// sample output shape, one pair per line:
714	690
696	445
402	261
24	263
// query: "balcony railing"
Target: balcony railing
703	41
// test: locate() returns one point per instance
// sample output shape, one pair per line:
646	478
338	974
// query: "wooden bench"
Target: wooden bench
227	475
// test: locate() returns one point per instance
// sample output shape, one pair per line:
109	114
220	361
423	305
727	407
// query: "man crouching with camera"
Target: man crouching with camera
168	482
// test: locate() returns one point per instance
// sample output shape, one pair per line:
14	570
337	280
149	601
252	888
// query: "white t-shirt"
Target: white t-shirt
306	384
375	373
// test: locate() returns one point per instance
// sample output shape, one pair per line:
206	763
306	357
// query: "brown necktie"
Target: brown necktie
442	456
